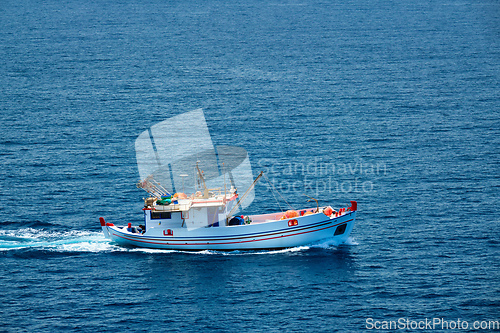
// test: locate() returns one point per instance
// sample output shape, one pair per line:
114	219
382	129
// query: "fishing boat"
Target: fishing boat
206	217
205	221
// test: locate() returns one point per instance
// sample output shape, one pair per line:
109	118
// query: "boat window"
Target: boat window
340	229
161	215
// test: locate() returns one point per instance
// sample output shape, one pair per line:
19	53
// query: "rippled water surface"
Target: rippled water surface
392	104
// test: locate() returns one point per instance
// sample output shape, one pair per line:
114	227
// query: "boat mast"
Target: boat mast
205	191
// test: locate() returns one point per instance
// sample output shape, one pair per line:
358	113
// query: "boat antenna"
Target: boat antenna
317	203
183	176
224	172
240	200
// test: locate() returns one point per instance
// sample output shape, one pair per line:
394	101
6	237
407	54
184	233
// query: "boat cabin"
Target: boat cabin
191	213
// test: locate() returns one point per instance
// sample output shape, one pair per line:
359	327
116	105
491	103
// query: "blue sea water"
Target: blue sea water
395	104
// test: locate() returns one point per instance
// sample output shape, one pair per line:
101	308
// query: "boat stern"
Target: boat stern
105	227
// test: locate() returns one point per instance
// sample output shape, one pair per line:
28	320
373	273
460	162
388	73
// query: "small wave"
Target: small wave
34	234
351	241
146	250
253	252
325	244
94	244
26	224
287	250
333	244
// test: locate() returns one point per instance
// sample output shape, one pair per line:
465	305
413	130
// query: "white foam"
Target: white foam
33	234
216	252
333	244
11	248
326	244
71	240
287	250
93	244
351	241
146	250
253	252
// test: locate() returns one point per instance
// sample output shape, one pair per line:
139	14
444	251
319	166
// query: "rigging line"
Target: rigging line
275	196
278	193
240	200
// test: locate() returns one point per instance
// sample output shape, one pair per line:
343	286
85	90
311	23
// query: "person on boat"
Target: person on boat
133	230
237	220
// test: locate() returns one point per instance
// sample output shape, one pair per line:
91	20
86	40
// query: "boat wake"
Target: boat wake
51	240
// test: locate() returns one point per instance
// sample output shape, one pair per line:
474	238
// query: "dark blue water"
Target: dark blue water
393	104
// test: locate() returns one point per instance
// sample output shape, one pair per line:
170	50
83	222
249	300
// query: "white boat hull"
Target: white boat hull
268	235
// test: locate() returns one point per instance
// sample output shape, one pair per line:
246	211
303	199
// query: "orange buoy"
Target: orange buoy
291	214
179	195
328	211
